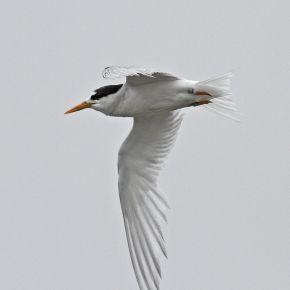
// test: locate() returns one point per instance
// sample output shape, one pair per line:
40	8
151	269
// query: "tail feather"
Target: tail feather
219	89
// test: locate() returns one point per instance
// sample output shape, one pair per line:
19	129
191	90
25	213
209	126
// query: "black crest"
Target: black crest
105	91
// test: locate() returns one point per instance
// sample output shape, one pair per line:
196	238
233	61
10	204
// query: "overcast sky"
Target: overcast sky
227	182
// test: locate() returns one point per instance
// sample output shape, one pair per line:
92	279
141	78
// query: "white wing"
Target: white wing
141	157
136	75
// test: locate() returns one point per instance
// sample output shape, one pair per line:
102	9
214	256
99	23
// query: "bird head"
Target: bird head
100	100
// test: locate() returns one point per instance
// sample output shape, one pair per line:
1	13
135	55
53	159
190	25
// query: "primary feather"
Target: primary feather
143	205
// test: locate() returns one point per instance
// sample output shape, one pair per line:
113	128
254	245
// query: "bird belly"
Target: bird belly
156	96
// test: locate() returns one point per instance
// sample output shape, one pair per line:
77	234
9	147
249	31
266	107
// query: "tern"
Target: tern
153	99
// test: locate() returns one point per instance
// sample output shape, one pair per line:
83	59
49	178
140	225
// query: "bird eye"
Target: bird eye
95	97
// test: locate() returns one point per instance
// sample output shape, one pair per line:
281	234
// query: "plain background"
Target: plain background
228	183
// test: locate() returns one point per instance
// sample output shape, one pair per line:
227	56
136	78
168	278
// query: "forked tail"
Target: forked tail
220	101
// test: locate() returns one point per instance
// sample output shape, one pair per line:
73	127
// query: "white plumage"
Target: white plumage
143	204
153	99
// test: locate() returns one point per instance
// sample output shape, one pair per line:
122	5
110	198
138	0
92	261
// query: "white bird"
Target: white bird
153	99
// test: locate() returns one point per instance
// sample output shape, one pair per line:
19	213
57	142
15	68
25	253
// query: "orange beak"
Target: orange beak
79	107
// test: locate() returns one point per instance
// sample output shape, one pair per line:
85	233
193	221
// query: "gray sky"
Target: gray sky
228	183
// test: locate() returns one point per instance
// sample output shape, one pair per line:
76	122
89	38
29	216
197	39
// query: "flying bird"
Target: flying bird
153	99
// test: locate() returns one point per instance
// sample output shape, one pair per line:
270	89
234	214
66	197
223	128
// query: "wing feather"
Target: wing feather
136	75
141	158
